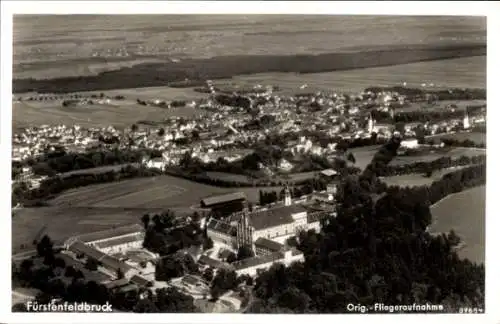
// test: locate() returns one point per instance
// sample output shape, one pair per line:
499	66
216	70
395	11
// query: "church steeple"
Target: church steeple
466	121
370	124
288	196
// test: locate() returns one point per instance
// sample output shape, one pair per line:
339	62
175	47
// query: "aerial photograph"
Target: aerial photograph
248	164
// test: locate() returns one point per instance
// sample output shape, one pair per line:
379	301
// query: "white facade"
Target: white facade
287	260
122	247
409	143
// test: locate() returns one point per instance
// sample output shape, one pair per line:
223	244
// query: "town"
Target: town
255	138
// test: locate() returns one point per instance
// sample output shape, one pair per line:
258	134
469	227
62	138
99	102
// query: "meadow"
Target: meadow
411	180
99	207
25	114
65	221
465	212
467	72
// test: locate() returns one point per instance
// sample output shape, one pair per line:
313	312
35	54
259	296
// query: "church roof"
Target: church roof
275	216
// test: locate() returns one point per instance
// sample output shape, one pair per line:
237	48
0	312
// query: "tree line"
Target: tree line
377	250
428	168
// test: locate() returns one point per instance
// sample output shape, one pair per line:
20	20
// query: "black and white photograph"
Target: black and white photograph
214	163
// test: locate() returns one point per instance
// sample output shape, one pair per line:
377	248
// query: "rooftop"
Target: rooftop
120	240
140	281
213	263
220	199
275	216
106	260
108	234
265	243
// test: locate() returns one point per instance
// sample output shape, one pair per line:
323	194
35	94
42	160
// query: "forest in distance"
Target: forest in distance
194	72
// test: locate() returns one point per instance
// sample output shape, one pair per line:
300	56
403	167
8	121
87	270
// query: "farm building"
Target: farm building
112	241
109	263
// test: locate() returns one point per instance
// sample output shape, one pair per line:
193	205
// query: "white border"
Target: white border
8	8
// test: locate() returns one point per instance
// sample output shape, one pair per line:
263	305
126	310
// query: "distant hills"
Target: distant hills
193	72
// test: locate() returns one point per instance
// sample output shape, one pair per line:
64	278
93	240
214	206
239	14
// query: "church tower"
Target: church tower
370	124
466	121
244	230
288	196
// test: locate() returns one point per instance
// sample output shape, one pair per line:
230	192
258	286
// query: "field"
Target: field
467	72
442	105
364	155
224	176
99	170
159	192
28	114
410	180
434	155
108	45
464	212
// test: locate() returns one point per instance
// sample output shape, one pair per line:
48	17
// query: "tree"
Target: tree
145	221
161	132
208	274
231	258
245	252
44	247
119	274
134	128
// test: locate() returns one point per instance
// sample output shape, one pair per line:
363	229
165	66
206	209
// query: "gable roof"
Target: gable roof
267	244
110	233
220	199
255	261
106	260
275	216
120	241
140	281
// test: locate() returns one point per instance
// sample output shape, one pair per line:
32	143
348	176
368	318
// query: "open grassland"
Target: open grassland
161	192
63	222
27	114
103	206
465	212
100	170
152	93
364	155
